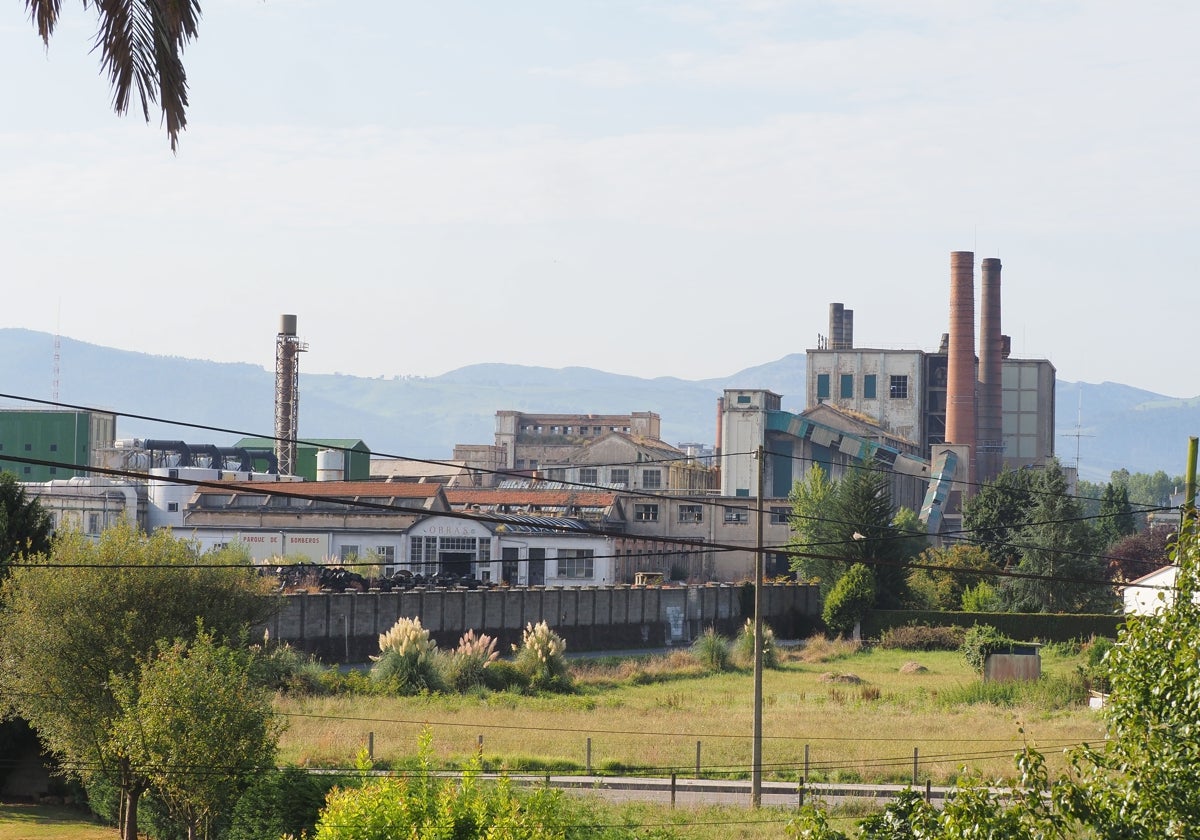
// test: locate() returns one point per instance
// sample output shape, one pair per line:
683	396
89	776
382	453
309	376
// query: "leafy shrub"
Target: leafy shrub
711	649
981	598
463	668
280	803
849	600
505	676
1095	668
743	646
980	642
424	804
922	637
542	659
407	659
283	668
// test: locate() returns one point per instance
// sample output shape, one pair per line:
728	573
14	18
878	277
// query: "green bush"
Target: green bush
711	649
921	637
280	803
849	600
542	659
743	646
980	642
982	597
407	661
502	675
463	668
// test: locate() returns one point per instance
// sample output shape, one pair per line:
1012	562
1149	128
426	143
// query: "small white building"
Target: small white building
1151	593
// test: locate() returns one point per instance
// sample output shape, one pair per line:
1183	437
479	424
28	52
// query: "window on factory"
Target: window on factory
645	513
576	563
781	515
847	386
651	479
743	399
822	386
557	474
588	475
27	470
172	507
349	554
54	471
869	386
54	447
619	476
387	557
898	388
93	523
29	447
737	515
691	513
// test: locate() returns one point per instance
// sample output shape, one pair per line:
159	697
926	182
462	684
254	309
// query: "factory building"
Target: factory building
66	442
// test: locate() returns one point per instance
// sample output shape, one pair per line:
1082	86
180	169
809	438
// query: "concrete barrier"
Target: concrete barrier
345	627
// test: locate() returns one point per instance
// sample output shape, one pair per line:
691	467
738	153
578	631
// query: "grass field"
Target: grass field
858	715
47	822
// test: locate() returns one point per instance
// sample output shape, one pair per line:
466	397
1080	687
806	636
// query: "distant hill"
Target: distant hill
424	417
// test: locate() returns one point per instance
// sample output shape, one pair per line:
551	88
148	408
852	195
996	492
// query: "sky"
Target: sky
649	188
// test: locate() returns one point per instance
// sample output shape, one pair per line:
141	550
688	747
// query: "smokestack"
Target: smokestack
848	329
287	393
960	374
991	351
837	326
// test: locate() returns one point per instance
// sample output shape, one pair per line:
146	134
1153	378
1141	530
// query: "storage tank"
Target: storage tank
331	465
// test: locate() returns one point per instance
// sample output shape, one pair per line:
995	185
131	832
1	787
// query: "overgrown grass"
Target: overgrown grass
647	716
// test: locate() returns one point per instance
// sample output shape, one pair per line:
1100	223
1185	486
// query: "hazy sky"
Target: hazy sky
652	188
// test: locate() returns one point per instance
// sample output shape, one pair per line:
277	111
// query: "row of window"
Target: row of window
583	431
29	447
692	514
897	386
651	478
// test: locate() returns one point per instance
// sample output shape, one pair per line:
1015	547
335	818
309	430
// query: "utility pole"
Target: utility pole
1189	492
756	750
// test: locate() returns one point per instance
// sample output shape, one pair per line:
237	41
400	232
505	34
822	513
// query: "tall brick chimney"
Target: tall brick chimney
991	351
960	374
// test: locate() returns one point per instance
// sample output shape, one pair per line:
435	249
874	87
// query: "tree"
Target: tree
993	516
1057	546
836	524
1144	781
141	44
1115	515
201	725
24	524
1139	554
76	628
813	538
955	569
851	598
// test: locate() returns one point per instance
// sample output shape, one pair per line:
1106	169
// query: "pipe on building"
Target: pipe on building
960	374
837	326
991	352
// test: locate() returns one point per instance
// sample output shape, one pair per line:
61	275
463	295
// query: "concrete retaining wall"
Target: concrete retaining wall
345	627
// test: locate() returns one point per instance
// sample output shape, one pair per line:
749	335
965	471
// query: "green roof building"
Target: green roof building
63	443
356	464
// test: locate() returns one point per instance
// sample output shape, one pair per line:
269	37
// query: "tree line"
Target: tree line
1027	544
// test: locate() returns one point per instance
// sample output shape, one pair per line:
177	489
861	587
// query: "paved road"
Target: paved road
690	792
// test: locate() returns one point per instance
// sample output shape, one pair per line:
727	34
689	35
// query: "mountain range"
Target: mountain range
1105	427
